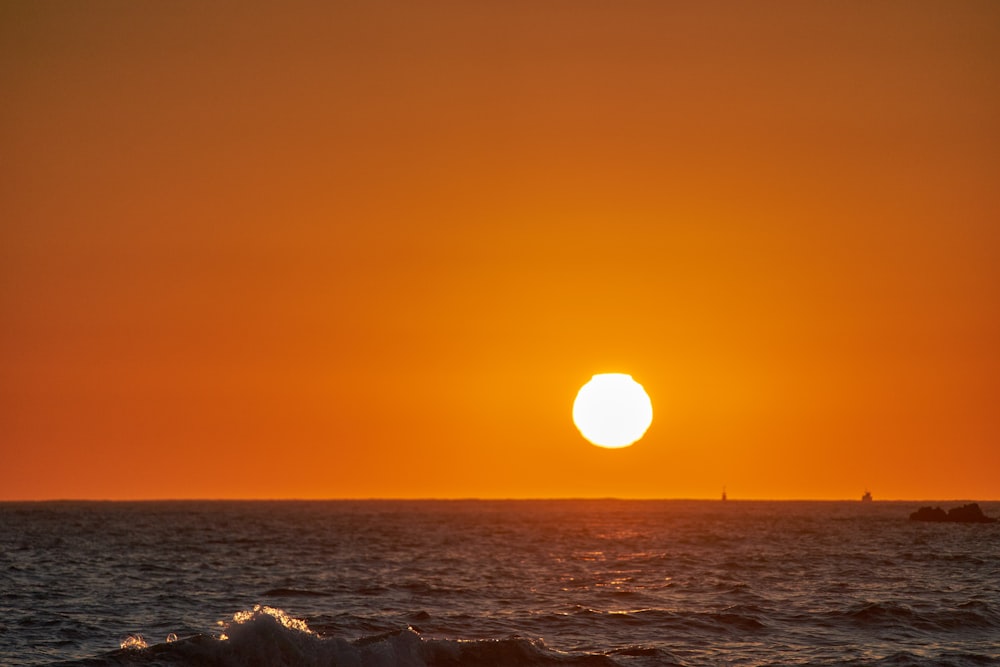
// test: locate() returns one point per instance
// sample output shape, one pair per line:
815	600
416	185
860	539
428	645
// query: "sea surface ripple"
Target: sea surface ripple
547	582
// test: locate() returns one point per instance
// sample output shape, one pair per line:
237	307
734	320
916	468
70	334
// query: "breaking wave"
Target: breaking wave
268	637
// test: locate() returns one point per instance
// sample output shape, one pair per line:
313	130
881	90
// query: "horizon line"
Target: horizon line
714	499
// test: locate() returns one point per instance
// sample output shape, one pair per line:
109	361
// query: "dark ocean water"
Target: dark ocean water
436	583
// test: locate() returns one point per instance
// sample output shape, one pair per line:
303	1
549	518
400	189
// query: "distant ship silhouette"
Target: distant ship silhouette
723	493
867	498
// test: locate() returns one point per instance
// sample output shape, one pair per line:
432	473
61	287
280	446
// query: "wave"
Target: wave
293	593
268	637
948	659
736	617
969	615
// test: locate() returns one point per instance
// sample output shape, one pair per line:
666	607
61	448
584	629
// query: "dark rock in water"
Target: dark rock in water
970	513
929	514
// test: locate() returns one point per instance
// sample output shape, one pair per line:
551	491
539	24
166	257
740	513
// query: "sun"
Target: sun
612	410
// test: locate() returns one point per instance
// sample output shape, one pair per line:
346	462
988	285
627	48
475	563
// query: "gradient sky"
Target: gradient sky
372	249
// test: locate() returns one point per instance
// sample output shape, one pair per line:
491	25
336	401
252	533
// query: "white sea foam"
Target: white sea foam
133	642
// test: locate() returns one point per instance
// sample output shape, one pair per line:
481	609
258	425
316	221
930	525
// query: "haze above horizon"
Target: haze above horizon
347	250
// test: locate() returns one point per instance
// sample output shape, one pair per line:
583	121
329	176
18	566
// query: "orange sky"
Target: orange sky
372	249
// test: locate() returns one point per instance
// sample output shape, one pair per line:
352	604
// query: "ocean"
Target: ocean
495	583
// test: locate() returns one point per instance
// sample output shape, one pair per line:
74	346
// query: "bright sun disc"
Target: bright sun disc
612	410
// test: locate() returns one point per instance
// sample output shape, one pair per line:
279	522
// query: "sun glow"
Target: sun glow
612	410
